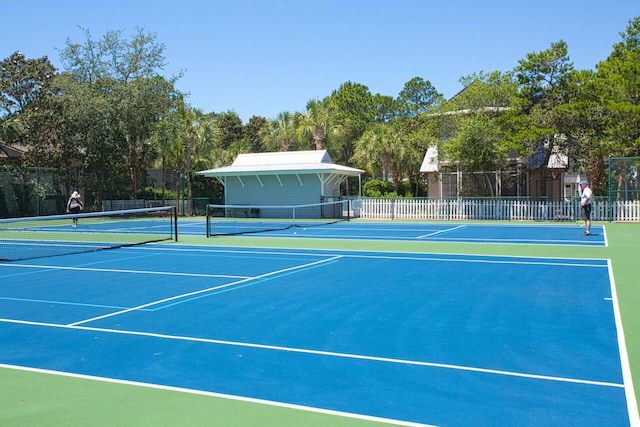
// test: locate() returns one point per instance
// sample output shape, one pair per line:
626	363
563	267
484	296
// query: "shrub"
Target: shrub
149	193
382	188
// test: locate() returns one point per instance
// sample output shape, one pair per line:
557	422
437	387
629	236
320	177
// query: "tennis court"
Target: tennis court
46	236
336	220
405	338
547	234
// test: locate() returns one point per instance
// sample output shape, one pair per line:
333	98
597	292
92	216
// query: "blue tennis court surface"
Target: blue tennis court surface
550	234
421	339
124	226
546	234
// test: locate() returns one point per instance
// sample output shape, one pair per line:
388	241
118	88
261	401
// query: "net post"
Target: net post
207	220
293	216
174	212
348	210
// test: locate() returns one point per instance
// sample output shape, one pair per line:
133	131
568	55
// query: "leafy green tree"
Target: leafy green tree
617	76
477	149
23	81
604	114
420	132
114	57
233	138
418	96
583	122
53	126
352	110
396	144
251	132
471	135
492	92
386	108
230	128
542	77
140	103
123	75
81	128
416	101
534	132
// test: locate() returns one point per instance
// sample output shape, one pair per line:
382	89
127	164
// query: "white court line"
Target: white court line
62	243
507	240
114	270
628	386
220	395
202	291
323	353
632	405
418	256
488	261
471	241
441	231
198	224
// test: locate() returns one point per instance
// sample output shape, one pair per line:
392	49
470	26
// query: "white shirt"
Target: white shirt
585	197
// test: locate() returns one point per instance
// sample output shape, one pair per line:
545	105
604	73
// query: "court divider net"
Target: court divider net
45	236
229	220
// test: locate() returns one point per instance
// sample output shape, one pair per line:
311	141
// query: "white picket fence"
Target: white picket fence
490	209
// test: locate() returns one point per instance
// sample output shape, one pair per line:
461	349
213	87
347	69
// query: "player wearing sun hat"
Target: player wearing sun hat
75	205
585	205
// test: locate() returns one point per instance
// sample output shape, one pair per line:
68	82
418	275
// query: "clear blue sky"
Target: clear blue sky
265	57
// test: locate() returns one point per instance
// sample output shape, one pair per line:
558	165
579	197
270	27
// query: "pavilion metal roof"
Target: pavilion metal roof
282	163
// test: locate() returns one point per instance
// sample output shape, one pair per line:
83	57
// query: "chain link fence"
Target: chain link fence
44	191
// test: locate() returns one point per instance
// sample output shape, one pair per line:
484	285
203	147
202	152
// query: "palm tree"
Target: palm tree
405	158
10	132
315	122
167	139
198	134
280	134
383	146
369	151
10	129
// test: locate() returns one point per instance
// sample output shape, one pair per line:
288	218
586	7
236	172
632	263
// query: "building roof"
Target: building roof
430	161
558	160
10	151
281	163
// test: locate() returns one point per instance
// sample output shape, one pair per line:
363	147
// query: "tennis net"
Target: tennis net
228	220
45	236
